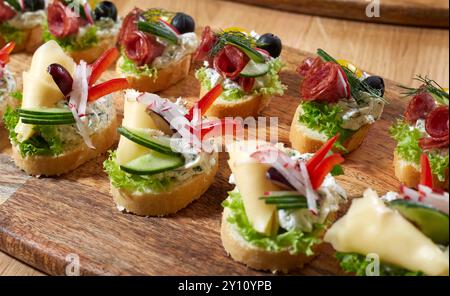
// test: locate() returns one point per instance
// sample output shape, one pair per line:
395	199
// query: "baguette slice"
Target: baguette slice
70	160
166	77
162	204
33	38
408	173
90	55
249	106
306	140
276	262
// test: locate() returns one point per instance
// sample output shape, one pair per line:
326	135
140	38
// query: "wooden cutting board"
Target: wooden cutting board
45	220
432	13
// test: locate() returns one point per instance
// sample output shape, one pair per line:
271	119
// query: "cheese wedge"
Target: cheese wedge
371	227
252	182
135	116
39	89
47	54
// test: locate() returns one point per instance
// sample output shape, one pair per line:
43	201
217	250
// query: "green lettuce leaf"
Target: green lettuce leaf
272	85
408	148
75	43
130	182
45	142
325	118
9	33
294	240
357	264
129	67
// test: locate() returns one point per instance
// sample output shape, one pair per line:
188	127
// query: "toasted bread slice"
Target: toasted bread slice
70	160
165	203
33	38
306	140
276	262
166	77
408	173
250	106
89	55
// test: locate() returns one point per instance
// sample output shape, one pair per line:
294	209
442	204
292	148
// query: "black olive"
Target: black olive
34	5
183	22
105	9
375	82
271	43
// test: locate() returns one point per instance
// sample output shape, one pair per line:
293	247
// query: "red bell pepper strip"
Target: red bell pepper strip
5	52
170	26
102	64
105	88
314	161
426	177
205	103
324	168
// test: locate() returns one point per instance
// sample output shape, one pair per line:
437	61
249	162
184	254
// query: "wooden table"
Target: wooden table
397	53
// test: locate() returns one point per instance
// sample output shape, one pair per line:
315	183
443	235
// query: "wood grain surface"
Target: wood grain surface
394	52
433	13
45	220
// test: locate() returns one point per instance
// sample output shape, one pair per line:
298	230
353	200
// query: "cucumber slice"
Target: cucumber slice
432	222
158	29
252	53
45	112
147	141
153	163
47	121
254	70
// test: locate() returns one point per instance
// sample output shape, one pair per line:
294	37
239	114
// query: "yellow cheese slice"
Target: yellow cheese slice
47	54
135	116
38	92
371	227
252	183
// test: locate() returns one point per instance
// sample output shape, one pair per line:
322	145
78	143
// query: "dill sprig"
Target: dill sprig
357	86
430	86
286	202
241	40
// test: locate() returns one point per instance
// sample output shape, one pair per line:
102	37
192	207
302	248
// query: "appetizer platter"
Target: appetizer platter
100	173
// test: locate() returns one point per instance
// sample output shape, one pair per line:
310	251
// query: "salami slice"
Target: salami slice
6	12
62	21
230	61
129	24
437	122
308	64
207	43
142	48
419	107
325	82
430	143
246	83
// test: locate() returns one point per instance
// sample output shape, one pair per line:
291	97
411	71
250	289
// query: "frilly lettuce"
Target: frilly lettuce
272	83
74	43
408	148
294	240
129	67
326	119
357	264
45	142
130	182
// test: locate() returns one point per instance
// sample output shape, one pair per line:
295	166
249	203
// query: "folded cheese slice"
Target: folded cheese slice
251	180
135	116
371	227
39	89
